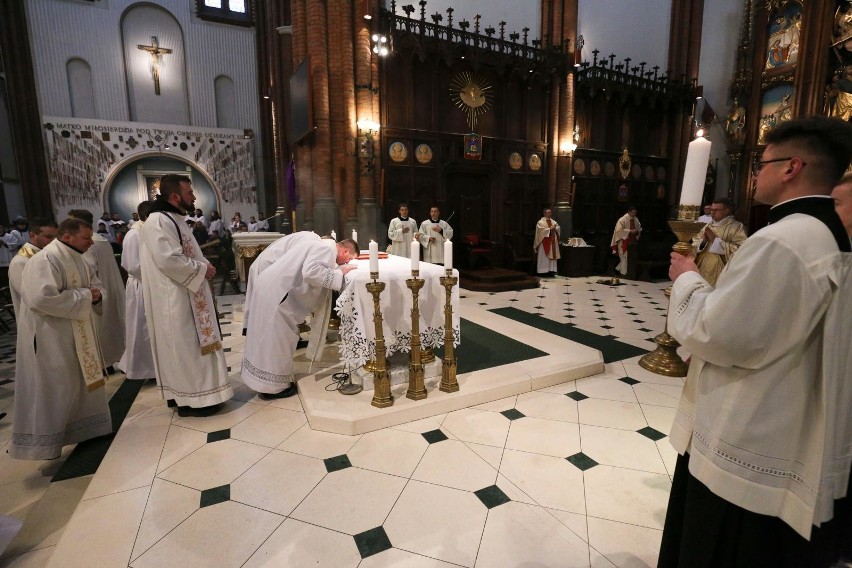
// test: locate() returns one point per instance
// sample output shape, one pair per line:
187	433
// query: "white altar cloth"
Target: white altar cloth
355	307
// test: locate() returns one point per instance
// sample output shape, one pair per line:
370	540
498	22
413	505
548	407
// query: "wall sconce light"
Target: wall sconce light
380	45
248	133
568	148
366	129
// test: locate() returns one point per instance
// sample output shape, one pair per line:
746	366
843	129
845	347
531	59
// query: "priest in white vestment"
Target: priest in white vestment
185	340
842	195
433	232
266	259
59	394
717	241
137	362
401	231
284	294
110	323
42	233
627	229
546	244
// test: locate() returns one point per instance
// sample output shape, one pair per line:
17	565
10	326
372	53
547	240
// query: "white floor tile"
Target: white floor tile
396	558
553	405
517	534
232	414
169	504
211	544
318	444
453	464
180	442
437	522
659	417
549	437
627	546
351	500
278	482
498	405
423	425
388	451
477	426
114	519
612	414
268	426
33	559
659	395
552	482
607	389
217	463
621	448
575	522
295	543
627	495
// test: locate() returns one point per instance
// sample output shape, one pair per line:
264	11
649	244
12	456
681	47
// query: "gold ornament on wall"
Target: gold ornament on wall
471	94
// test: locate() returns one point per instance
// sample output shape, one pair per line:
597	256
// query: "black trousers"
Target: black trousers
702	530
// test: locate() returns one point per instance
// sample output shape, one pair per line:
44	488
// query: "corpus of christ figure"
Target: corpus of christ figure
156	52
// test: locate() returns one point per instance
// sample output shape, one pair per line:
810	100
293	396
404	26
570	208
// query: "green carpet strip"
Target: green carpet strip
612	349
482	348
87	456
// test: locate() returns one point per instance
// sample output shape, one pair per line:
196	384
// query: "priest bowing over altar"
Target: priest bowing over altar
296	284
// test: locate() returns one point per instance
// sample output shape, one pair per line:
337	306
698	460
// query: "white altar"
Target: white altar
355	307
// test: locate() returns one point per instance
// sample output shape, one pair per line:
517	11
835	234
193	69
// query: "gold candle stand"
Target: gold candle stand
664	360
382	397
416	387
449	383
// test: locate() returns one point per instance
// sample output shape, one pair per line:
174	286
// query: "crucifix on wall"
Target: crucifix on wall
156	52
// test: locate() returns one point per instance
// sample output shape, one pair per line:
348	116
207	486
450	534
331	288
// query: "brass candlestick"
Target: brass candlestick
382	397
416	387
448	370
664	360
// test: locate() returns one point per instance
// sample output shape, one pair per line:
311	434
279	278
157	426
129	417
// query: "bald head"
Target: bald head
842	194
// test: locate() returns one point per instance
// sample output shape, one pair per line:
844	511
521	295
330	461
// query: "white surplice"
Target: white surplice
400	241
621	239
16	273
110	324
284	294
434	251
169	280
53	407
137	362
546	245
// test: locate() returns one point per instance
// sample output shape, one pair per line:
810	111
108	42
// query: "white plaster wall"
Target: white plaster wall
60	29
722	21
517	14
638	29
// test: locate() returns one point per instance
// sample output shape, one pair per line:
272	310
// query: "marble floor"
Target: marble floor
576	474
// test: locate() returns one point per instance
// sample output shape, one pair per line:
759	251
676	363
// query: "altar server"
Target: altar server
433	232
401	232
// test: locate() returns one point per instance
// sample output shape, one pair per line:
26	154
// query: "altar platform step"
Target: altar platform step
524	359
496	280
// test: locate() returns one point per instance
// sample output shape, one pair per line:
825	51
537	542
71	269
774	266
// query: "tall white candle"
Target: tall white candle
415	255
448	255
334	236
695	172
374	256
354	235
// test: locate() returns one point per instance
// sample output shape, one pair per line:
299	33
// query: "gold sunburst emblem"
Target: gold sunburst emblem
472	94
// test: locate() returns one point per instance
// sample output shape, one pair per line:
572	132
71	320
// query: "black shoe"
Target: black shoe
171	403
186	411
286	393
302	344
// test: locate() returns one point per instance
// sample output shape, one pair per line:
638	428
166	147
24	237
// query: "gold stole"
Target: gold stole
203	308
85	340
29	250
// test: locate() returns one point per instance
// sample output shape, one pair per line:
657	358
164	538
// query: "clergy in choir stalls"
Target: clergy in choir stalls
297	283
842	195
401	231
137	362
627	229
42	232
546	244
110	323
717	241
59	374
434	232
186	343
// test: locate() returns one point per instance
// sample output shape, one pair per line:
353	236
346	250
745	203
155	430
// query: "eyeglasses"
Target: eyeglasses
760	163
